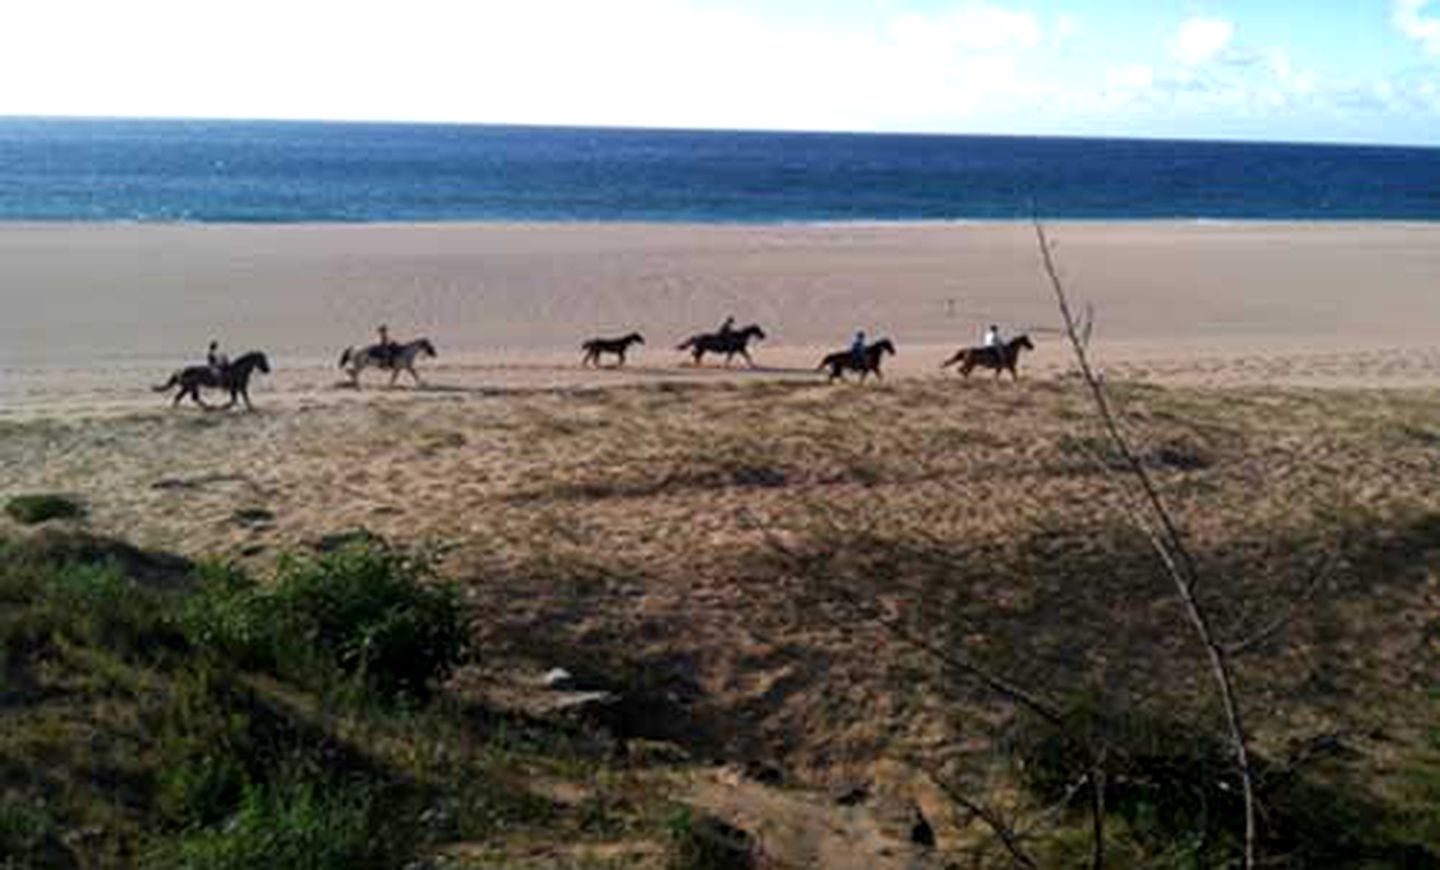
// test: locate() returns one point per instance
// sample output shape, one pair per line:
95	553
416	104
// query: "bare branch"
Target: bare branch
1167	541
1318	578
1003	832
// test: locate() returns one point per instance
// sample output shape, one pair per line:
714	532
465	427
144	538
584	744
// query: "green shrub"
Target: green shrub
298	820
80	588
362	612
1176	788
29	836
40	507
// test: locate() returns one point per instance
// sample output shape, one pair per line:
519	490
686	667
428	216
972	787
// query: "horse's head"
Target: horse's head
635	338
753	331
425	346
252	361
1020	341
883	346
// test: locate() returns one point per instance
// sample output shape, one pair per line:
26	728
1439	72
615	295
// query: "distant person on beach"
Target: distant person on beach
216	360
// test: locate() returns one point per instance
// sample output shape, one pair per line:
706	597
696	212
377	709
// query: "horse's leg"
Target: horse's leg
748	361
621	354
394	375
415	375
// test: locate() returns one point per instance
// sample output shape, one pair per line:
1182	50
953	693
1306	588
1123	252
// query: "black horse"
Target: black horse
617	346
1000	357
234	377
729	343
842	361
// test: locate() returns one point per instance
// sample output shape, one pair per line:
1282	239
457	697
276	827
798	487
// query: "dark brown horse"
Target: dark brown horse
234	377
842	361
1000	357
729	342
617	346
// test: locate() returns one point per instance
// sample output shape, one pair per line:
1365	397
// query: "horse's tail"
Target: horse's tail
165	387
345	357
587	346
958	357
686	344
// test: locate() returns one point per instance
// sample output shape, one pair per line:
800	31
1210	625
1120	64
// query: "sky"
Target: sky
1294	70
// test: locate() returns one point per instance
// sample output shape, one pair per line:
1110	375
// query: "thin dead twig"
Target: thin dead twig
1168	543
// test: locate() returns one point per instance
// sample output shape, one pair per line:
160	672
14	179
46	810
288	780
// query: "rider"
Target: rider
992	337
728	326
857	349
388	350
216	360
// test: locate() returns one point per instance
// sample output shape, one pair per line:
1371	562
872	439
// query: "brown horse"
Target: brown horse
1000	357
617	346
729	342
842	361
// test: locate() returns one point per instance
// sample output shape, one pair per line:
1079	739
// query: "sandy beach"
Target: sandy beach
96	313
704	527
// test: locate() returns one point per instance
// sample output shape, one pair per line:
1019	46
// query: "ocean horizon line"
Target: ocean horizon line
1158	138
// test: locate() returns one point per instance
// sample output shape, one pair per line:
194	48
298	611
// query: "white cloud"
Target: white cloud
1201	40
978	27
1409	18
1132	77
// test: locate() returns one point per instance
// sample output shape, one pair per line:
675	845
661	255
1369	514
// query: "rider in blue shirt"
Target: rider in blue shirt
857	348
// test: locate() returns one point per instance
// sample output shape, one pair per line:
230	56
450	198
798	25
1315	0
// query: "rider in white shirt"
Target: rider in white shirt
215	359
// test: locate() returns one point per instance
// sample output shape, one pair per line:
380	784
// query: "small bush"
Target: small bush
298	820
29	836
362	611
39	508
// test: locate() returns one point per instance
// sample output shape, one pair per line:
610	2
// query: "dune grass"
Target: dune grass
43	507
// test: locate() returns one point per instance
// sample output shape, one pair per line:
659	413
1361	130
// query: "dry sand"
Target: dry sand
94	313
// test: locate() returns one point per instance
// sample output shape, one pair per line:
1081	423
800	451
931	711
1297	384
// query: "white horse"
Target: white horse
396	358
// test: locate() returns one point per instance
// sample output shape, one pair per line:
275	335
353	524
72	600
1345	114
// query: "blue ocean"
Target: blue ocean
289	172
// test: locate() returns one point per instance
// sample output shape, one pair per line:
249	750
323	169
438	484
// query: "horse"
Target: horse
618	346
1000	357
842	360
234	377
728	343
396	358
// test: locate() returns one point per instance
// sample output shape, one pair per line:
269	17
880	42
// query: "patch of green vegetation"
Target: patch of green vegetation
43	507
1176	792
302	818
140	729
361	613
